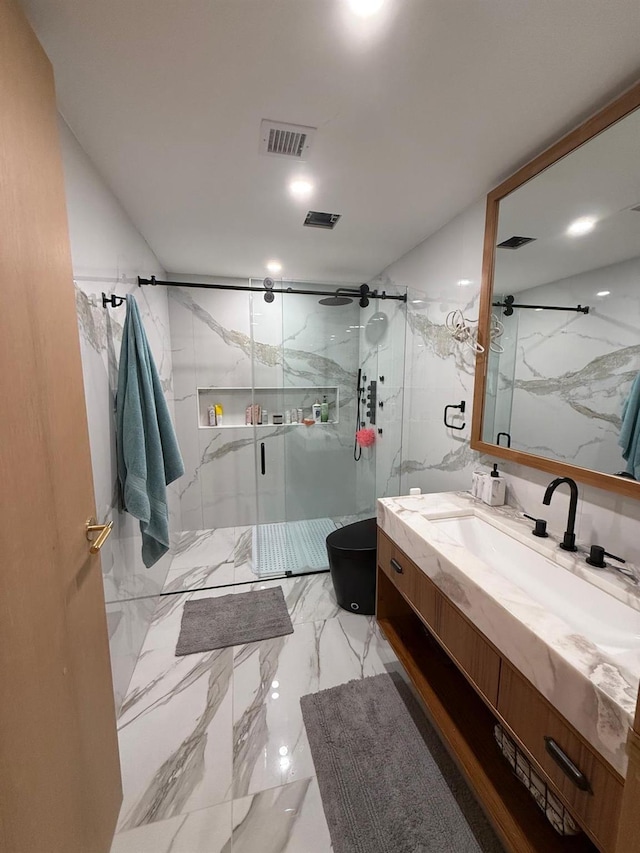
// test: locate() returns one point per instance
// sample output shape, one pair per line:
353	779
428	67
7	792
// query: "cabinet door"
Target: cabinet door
540	728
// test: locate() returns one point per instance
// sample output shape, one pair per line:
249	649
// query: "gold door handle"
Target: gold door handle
103	531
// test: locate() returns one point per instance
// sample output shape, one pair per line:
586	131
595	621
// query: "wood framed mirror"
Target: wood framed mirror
559	319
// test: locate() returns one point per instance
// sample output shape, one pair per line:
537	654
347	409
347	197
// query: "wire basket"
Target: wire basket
555	812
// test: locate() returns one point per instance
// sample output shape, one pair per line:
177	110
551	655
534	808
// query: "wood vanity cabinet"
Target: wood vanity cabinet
467	686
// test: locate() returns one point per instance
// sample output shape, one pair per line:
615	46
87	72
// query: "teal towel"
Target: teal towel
629	439
148	453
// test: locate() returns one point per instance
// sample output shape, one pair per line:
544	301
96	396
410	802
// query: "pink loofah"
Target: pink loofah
365	437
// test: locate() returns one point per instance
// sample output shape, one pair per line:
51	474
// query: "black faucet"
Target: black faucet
569	540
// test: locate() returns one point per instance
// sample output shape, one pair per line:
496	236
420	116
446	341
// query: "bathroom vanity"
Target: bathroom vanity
493	625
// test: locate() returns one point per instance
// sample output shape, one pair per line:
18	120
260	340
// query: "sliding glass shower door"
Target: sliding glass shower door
305	358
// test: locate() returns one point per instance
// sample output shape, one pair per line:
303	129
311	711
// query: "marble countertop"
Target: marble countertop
595	690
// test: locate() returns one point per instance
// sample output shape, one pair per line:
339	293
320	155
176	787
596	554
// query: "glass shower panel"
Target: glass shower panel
320	363
271	552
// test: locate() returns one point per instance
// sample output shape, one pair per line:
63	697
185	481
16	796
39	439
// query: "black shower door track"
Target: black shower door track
371	294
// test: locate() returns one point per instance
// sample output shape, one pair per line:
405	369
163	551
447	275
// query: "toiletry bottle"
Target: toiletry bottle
299	416
315	411
287	416
219	413
265	417
211	415
324	410
493	488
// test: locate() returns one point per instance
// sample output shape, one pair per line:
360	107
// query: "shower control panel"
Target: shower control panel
371	401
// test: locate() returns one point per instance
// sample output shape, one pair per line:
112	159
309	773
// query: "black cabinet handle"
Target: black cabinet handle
263	461
566	765
395	565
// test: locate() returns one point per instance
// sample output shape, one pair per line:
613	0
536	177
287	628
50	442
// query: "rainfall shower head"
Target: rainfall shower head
335	300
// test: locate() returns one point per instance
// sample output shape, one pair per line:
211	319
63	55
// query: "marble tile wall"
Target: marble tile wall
573	372
236	339
382	357
439	371
108	253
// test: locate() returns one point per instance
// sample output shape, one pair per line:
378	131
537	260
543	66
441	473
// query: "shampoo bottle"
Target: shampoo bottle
211	415
324	410
315	411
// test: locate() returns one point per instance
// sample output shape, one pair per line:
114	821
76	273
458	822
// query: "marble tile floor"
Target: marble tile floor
214	751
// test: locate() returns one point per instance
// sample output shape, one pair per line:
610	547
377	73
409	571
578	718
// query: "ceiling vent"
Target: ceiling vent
285	140
315	219
515	242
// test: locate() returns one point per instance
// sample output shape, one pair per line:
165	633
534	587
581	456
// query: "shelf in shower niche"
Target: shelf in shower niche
275	399
267	426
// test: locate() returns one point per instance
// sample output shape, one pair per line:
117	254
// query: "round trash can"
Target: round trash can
352	561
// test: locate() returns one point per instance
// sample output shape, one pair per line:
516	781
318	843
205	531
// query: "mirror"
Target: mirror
560	308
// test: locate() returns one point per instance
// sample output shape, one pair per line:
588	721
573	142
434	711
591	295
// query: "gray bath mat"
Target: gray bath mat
233	620
382	789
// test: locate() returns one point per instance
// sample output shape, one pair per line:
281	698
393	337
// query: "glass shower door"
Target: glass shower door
320	366
271	553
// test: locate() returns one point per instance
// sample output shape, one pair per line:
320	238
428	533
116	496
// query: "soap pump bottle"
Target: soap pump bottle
324	410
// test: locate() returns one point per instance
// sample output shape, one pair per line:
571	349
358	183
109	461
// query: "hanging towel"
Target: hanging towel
629	439
148	453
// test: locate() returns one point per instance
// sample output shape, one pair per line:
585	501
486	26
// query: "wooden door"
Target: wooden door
59	770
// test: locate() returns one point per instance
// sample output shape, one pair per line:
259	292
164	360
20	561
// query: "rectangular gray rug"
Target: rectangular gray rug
233	620
386	785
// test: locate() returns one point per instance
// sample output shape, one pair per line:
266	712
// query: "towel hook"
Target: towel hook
112	301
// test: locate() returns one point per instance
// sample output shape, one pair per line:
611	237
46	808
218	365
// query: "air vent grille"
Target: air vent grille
315	219
515	242
280	139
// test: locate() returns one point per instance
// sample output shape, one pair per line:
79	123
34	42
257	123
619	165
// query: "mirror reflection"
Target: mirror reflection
563	377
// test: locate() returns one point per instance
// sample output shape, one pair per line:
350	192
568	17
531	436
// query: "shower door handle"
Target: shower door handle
263	460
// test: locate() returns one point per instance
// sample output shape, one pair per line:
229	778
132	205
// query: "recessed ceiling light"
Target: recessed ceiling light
603	293
365	8
581	226
417	301
274	266
463	282
301	188
538	309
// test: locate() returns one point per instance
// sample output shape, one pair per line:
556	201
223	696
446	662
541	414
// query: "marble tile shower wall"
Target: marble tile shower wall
106	246
235	339
440	371
573	372
382	358
435	369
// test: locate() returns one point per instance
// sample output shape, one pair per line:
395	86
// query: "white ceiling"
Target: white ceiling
420	111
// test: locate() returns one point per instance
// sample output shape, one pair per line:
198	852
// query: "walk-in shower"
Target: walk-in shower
267	393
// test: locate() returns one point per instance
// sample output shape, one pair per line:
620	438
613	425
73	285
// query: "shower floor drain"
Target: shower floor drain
291	546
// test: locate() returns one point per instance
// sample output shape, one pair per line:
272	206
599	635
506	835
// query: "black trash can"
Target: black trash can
352	560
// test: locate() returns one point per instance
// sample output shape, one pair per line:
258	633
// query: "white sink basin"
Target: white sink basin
607	622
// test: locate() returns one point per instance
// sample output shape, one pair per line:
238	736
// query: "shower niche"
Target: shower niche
275	400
